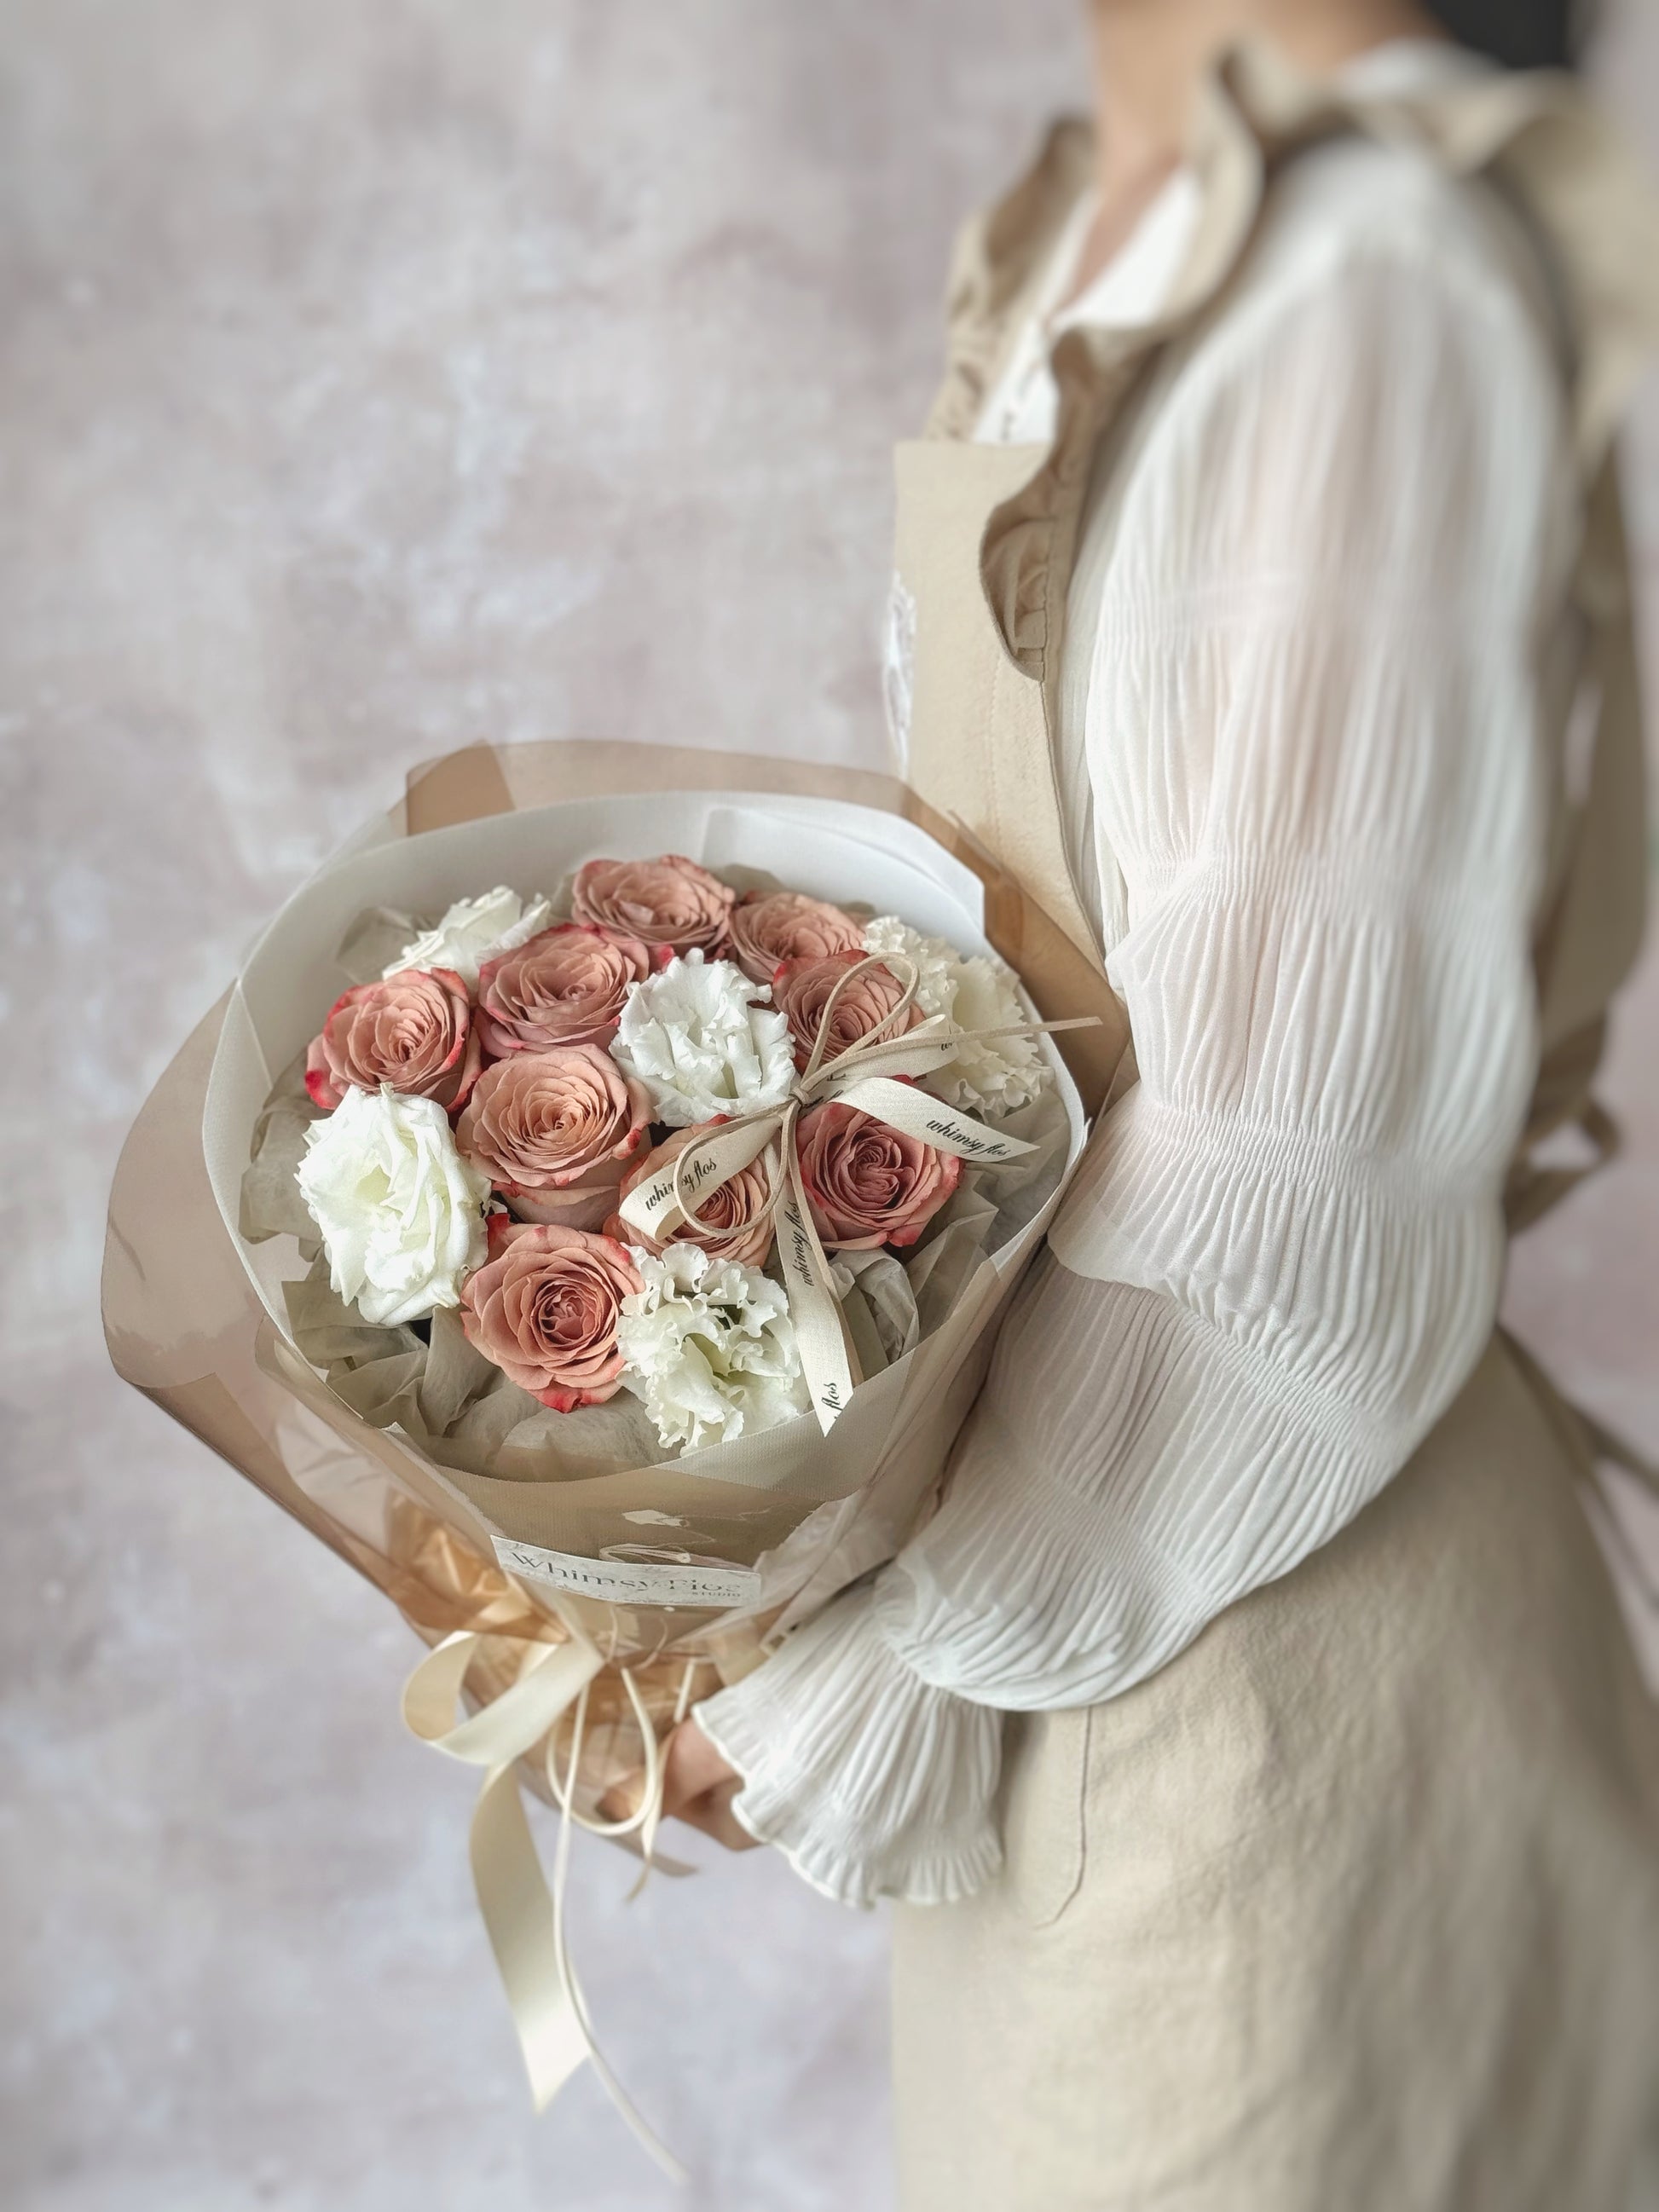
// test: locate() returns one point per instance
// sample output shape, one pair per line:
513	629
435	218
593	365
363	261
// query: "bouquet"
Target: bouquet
625	1233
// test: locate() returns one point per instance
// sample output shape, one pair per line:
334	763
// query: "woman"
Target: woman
1259	593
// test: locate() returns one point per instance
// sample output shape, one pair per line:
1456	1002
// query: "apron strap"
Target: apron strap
1586	1443
1532	1191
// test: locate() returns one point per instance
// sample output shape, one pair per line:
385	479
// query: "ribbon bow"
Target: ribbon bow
527	1923
864	1075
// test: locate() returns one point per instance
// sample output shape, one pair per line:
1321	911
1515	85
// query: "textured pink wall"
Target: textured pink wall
374	378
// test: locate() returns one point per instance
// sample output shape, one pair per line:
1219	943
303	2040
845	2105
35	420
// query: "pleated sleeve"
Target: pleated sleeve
1322	780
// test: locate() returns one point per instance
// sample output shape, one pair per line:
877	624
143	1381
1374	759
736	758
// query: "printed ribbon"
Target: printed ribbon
526	1924
864	1076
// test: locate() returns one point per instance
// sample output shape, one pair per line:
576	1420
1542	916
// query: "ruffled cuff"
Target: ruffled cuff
869	1781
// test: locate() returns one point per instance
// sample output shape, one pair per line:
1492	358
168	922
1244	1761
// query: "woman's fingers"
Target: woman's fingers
713	1814
693	1766
621	1801
699	1785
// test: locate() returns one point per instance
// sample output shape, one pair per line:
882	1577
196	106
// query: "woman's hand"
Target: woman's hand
698	1787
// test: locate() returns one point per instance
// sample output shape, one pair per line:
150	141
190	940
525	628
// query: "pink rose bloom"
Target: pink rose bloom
552	1129
801	989
414	1031
867	1184
738	1230
768	927
544	1308
670	903
565	987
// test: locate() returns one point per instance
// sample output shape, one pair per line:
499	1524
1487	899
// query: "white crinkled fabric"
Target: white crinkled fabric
1303	761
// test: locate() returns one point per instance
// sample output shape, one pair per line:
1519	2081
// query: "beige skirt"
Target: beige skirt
1353	1908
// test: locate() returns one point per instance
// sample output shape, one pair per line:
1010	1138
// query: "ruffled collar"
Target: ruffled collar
1539	133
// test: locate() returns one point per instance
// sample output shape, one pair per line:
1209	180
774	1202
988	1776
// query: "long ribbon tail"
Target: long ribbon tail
656	1773
512	1891
645	2135
526	1925
826	1357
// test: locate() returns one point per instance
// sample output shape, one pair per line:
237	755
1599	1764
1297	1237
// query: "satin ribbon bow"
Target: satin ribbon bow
864	1075
527	1923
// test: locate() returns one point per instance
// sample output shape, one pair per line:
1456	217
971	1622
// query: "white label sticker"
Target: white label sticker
631	1582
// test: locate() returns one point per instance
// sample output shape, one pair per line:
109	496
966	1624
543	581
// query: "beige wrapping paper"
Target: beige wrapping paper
196	1319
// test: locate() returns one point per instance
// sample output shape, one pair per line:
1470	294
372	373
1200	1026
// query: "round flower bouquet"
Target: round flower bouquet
592	1219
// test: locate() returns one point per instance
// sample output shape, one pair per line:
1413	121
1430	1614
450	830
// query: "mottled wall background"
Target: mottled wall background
376	375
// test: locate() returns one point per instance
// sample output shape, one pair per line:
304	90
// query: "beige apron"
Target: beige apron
1355	1907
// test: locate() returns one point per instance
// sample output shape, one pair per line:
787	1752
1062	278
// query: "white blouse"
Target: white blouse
1309	759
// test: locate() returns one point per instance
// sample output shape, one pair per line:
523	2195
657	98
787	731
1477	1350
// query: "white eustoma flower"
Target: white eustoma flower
709	1347
475	930
994	1076
702	1040
400	1211
935	961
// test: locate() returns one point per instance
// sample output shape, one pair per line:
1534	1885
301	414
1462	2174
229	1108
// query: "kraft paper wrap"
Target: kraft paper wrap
565	1692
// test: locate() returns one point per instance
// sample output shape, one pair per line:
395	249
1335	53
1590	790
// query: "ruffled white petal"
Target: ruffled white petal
475	930
710	1348
705	1042
991	1075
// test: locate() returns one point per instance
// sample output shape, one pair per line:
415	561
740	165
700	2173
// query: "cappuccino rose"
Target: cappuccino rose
413	1033
544	1309
670	901
867	1184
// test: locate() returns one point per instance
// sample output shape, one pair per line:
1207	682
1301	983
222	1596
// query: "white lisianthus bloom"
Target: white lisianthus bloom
991	1078
1001	1074
935	961
400	1211
709	1347
702	1040
476	929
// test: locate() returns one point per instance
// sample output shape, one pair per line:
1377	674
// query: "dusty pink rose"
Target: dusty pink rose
565	987
738	1232
552	1130
801	989
669	902
414	1031
544	1307
868	1184
768	927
